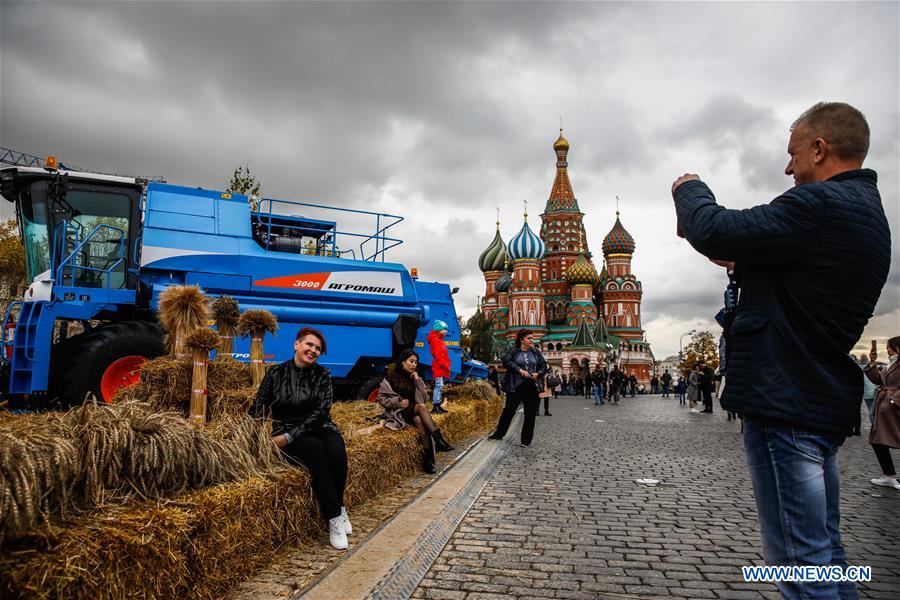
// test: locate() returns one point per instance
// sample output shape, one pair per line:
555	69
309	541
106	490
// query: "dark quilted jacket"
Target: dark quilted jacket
811	265
298	400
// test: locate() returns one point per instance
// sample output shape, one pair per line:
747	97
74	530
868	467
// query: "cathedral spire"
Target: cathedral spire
561	195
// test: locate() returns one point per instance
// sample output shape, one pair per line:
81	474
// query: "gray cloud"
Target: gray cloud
442	111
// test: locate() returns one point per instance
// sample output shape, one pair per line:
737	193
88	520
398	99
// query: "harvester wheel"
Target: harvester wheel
107	359
367	389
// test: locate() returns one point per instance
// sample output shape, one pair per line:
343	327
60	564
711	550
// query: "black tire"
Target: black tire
367	385
84	366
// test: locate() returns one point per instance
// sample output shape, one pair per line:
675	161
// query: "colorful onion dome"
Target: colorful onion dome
561	143
494	256
582	271
503	283
618	240
526	244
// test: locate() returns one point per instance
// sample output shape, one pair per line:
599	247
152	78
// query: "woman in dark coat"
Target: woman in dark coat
525	370
888	382
403	395
297	395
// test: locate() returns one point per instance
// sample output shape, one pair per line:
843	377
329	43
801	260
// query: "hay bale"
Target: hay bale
40	466
205	541
168	382
476	390
126	551
231	402
352	416
239	528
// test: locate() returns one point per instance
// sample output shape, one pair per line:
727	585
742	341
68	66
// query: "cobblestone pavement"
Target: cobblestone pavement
566	519
294	570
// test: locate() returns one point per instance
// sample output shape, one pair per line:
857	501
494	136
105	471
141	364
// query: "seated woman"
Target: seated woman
403	395
297	394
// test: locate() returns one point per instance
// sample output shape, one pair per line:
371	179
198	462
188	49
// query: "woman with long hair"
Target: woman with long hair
885	421
525	370
297	395
403	395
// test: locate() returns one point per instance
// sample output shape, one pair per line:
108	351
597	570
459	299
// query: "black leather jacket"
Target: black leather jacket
298	400
513	379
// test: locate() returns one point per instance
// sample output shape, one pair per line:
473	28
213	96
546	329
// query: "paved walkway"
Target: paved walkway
566	519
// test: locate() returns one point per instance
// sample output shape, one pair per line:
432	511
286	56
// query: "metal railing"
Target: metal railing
71	262
383	222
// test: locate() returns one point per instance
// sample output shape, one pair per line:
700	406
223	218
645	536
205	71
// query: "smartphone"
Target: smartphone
874	346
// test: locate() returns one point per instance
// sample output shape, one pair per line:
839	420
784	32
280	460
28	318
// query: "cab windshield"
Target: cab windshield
35	235
96	222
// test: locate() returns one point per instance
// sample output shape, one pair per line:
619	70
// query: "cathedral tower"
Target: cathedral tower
621	290
492	263
561	230
526	298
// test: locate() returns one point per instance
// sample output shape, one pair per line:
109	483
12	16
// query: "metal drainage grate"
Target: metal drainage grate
406	575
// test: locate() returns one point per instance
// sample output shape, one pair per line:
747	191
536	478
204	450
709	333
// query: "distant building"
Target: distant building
670	363
548	283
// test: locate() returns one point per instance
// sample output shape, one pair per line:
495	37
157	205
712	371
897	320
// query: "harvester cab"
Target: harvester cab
100	249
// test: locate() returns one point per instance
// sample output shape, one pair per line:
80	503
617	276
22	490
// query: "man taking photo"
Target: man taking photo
805	298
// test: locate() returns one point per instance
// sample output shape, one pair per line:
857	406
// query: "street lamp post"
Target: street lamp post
680	352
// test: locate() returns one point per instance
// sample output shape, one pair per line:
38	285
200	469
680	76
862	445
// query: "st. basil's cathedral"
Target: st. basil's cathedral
548	283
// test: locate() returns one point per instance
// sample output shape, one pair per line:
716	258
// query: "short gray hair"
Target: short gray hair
841	125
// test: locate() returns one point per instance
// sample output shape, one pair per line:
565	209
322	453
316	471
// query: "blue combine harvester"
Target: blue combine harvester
99	250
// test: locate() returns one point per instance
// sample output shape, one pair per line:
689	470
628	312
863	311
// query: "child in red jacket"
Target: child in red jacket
440	362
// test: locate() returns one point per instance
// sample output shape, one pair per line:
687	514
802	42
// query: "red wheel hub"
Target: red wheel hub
373	396
122	373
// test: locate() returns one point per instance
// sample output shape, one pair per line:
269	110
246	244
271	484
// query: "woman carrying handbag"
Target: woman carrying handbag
885	432
525	370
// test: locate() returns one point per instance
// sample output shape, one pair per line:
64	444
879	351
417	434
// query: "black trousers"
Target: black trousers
883	454
529	397
546	404
324	454
707	398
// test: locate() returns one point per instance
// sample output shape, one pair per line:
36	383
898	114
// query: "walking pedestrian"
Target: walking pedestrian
297	396
632	383
616	382
524	366
885	432
654	384
666	382
789	372
681	388
555	384
545	393
587	382
494	378
693	388
706	385
440	363
598	378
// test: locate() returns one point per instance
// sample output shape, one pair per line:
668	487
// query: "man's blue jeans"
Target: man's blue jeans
438	390
795	482
598	395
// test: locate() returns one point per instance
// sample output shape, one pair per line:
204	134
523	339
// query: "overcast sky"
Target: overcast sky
442	111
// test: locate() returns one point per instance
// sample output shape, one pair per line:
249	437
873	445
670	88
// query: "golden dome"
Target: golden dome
582	271
561	143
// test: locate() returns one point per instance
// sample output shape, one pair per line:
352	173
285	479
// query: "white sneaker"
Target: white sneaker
886	481
695	411
336	533
348	528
